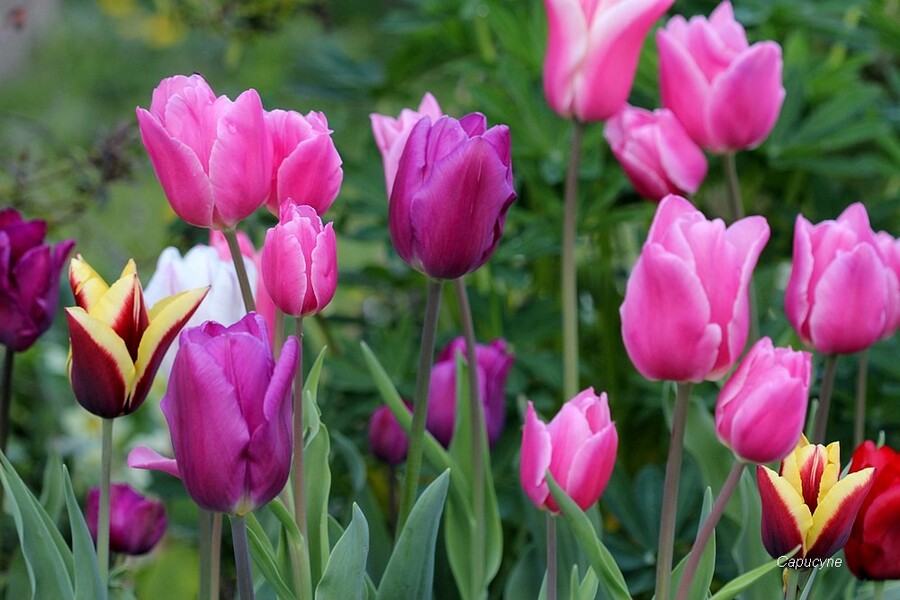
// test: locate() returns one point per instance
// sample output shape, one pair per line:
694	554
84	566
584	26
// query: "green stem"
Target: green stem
242	556
736	210
204	541
238	259
830	368
420	403
215	556
670	491
878	590
479	437
708	528
103	512
6	398
297	471
862	375
551	556
570	267
278	334
790	584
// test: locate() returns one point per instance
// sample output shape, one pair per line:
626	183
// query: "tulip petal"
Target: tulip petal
834	516
409	176
87	285
122	308
535	460
881	529
785	518
683	86
567	43
568	431
324	274
311	174
682	160
143	457
770	413
592	467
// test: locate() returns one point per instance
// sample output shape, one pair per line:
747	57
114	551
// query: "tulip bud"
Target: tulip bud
387	440
29	279
578	447
762	407
136	524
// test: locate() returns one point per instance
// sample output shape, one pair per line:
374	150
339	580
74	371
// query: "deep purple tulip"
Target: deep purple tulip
229	412
450	196
29	279
136	523
387	440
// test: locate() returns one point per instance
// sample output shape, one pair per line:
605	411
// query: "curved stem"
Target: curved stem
859	425
420	402
238	259
551	556
708	528
103	511
242	556
570	267
830	368
6	398
297	471
670	491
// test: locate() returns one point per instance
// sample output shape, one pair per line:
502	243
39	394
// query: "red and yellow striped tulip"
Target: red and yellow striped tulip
807	504
117	343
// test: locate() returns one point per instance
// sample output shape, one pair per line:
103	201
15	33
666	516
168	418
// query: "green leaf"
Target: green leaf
587	588
87	575
52	496
600	558
264	558
344	576
739	584
318	475
410	572
311	413
701	441
748	549
704	574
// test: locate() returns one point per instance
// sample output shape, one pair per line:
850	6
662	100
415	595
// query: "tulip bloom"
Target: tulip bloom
449	201
493	363
655	151
391	134
136	524
840	270
762	408
578	447
890	250
299	262
264	305
117	343
29	279
228	407
387	439
874	543
725	92
306	167
686	311
592	53
806	504
212	156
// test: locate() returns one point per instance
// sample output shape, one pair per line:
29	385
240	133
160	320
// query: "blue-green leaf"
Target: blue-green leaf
739	584
704	574
87	575
344	576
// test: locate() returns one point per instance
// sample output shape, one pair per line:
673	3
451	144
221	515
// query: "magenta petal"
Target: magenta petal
592	467
567	33
441	415
683	161
535	460
323	277
683	87
143	457
797	295
409	177
769	421
311	174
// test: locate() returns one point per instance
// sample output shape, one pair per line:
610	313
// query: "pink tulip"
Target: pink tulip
387	439
306	165
725	92
890	250
212	156
391	134
843	293
686	312
655	152
299	262
762	408
578	447
136	524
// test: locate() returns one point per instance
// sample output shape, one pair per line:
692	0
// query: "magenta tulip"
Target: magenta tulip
493	363
387	439
228	407
578	447
890	251
843	293
212	156
136	524
725	92
299	262
655	151
686	312
762	407
306	165
592	53
454	185
29	279
391	134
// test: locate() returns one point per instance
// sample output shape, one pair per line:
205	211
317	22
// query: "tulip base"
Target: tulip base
242	557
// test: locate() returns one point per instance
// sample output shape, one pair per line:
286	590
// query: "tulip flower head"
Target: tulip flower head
212	156
228	406
117	342
840	270
686	311
29	279
452	191
726	93
873	548
578	447
592	53
136	524
388	441
806	504
890	250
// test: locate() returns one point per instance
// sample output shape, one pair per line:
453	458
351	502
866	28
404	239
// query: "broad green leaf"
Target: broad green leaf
318	476
410	571
292	554
170	574
52	496
704	574
87	575
585	589
311	412
344	576
739	584
264	558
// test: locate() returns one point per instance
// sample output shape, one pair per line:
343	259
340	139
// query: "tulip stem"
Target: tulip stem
551	556
103	511
670	491
215	555
420	402
297	471
830	368
476	414
204	541
570	267
242	556
278	334
238	259
862	375
790	584
6	398
708	528
736	208
878	590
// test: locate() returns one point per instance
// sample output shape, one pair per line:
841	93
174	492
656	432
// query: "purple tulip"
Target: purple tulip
454	185
29	279
136	524
387	439
228	407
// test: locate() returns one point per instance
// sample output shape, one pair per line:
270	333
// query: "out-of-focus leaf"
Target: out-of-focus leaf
87	576
704	574
344	576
